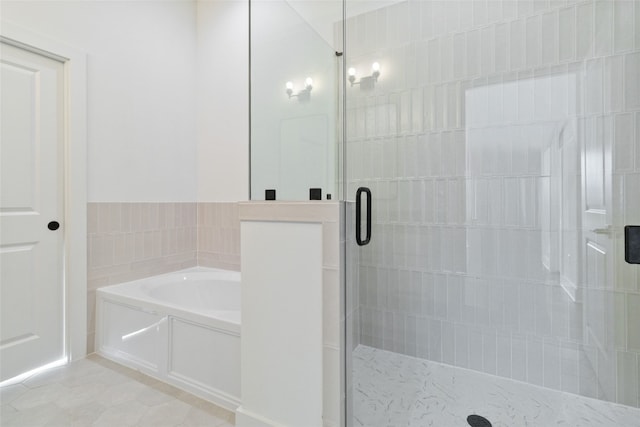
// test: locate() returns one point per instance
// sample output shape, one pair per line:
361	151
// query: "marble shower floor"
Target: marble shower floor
98	392
393	390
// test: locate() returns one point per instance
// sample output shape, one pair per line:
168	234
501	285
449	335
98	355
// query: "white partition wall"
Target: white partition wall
290	368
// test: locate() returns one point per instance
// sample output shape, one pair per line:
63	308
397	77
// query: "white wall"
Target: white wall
141	91
223	100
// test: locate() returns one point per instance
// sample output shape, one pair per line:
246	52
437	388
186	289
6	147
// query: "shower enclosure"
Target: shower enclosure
500	144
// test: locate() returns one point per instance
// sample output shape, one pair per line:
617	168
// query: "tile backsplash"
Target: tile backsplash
129	241
219	235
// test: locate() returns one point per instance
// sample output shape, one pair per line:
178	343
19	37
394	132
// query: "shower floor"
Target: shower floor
394	390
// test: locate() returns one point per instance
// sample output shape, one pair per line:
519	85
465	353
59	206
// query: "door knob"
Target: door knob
53	225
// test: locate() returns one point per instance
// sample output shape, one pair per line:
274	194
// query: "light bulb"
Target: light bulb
375	67
308	82
289	85
351	71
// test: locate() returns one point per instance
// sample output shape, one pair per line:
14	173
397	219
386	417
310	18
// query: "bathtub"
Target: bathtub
182	328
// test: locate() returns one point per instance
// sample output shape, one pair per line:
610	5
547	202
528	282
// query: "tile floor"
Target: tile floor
394	390
98	392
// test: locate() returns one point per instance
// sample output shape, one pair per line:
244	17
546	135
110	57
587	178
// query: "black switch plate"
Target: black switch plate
315	194
632	244
269	194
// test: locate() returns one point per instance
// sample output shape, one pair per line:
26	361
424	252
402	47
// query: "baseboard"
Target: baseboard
246	418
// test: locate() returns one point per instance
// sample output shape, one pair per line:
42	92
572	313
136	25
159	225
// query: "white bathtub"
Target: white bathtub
182	327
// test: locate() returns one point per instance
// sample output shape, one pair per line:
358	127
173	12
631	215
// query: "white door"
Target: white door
31	196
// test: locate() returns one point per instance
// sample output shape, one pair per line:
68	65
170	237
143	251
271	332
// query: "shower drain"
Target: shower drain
478	421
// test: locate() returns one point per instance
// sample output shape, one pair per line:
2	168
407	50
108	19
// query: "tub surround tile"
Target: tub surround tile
219	235
129	241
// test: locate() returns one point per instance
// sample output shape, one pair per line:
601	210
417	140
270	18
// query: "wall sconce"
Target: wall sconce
305	94
368	82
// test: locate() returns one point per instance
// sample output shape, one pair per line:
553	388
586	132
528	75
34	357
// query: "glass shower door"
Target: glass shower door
500	141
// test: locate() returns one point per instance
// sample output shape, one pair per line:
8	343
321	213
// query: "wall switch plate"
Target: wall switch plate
315	194
632	244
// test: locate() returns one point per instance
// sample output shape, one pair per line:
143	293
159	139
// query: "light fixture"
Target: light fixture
305	94
367	82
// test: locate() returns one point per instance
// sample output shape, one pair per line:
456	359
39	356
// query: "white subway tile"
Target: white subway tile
416	111
473	53
632	201
603	27
503	354
438	23
422	337
454	298
543	310
426	13
587	379
509	9
637	139
627	375
501	44
527	310
637	30
560	306
594	86
459	56
584	30
410	336
552	371
476	349
623	26
461	346
487	50
533	42
613	84
448	343
519	359
440	295
535	361
511	301
434	249
526	91
632	81
549	30
483	315
446	58
414	11
633	322
624	142
567	34
436	340
433	47
480	14
494	11
569	374
489	352
435	150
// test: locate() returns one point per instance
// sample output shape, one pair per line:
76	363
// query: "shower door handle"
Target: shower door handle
359	239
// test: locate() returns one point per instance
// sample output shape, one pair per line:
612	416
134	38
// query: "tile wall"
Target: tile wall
492	126
219	235
129	241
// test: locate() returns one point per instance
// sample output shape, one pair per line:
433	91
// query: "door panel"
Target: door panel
31	287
